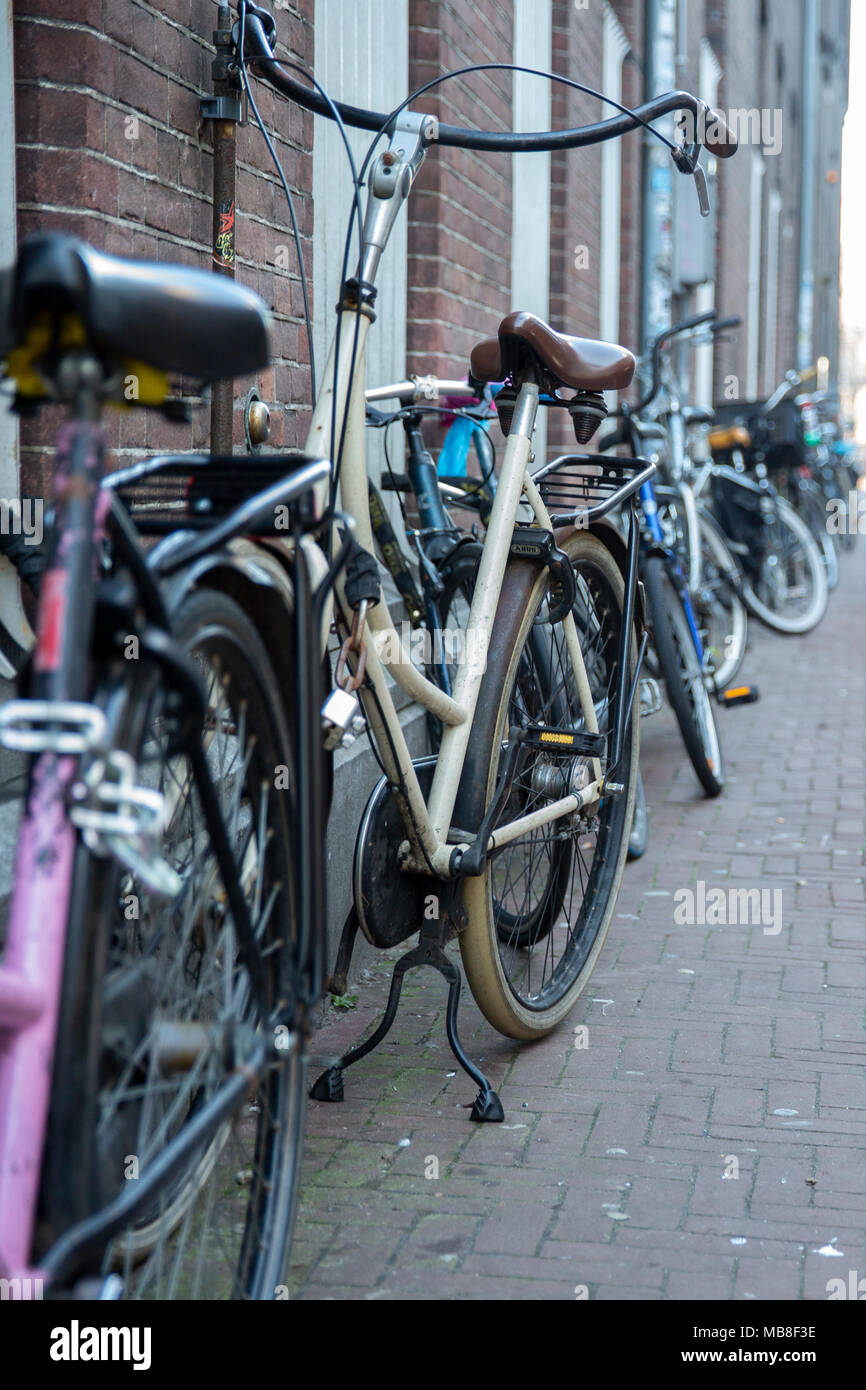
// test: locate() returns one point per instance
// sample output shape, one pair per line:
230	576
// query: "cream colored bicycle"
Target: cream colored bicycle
514	835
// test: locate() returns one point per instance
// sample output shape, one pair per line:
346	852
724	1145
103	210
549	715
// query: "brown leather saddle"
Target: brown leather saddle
555	359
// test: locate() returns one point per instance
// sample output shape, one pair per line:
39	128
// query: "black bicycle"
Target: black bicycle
168	884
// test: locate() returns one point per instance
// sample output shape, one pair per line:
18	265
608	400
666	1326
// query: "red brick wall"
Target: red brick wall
84	68
460	210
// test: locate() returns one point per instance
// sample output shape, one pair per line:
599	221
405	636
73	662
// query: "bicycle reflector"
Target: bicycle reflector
740	695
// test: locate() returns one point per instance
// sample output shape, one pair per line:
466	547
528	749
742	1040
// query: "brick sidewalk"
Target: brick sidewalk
712	1050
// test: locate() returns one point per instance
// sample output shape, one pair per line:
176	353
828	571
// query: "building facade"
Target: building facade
604	241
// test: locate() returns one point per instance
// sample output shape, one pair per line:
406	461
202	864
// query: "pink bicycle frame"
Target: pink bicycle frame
32	968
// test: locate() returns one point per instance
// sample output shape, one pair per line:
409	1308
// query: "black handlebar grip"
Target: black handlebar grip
718	138
721	325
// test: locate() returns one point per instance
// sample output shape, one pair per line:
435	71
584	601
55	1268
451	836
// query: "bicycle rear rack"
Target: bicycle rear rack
195	492
578	489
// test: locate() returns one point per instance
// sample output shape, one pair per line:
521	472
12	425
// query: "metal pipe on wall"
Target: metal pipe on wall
224	117
656	265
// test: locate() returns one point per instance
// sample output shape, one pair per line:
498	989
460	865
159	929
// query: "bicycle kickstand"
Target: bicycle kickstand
487	1107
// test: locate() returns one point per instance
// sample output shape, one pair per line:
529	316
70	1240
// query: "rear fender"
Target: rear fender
260	583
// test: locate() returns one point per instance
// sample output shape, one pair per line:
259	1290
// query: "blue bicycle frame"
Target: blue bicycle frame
650	511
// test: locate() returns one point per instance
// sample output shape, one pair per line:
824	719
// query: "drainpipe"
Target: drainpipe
806	308
657	261
224	110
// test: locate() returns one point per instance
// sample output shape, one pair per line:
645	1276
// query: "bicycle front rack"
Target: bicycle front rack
578	489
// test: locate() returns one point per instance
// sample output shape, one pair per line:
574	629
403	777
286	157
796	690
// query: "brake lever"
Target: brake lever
688	160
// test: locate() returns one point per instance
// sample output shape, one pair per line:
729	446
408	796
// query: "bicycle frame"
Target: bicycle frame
430	823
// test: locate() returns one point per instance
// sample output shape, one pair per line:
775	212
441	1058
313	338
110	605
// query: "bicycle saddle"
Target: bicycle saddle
581	363
169	317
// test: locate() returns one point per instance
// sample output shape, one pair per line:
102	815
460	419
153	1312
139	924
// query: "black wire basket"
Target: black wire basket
588	486
193	492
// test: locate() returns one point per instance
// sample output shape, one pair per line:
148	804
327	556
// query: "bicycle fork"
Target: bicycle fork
650	511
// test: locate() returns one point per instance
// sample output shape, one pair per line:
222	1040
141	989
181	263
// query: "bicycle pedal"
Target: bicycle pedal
740	695
565	741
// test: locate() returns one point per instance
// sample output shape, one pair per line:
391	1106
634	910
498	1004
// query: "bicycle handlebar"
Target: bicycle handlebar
711	130
672	331
418	390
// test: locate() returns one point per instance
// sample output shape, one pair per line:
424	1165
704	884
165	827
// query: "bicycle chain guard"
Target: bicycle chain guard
390	903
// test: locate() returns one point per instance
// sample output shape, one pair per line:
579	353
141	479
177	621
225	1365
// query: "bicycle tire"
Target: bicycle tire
847	536
504	994
735	642
802	542
806	501
80	1170
684	676
721	613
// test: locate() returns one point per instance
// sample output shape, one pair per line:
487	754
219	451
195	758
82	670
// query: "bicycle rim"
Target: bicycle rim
790	595
723	615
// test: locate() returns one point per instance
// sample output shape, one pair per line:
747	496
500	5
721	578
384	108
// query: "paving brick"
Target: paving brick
611	1173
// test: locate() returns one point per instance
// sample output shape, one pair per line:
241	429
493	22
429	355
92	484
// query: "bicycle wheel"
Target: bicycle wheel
157	1009
790	592
722	614
840	489
540	911
808	502
684	676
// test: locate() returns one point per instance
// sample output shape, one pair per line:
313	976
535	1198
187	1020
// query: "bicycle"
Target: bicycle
448	557
784	580
677	645
166	935
520	821
711	570
177	1014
